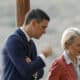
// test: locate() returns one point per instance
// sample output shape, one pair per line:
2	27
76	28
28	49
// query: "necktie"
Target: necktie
35	74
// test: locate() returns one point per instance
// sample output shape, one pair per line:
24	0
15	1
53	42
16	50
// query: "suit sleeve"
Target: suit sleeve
15	52
54	72
40	73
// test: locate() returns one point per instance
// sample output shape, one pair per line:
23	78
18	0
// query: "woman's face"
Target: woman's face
74	47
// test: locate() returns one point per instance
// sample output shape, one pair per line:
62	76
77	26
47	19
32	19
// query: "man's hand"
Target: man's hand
28	60
47	51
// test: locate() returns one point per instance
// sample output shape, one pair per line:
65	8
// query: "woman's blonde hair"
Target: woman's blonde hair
69	35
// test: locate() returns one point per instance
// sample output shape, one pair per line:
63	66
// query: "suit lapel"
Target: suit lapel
28	44
22	36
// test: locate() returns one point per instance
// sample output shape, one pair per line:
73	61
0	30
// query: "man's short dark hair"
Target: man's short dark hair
37	14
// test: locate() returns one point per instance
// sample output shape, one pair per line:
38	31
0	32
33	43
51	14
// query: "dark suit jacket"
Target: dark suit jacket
14	54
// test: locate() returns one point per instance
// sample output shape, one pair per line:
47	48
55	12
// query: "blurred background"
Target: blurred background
63	14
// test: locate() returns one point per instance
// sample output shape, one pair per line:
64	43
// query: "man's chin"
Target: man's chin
37	37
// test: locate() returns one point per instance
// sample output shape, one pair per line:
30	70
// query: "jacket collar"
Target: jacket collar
27	36
66	57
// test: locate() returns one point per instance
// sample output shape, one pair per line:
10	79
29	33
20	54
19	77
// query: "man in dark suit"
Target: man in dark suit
20	60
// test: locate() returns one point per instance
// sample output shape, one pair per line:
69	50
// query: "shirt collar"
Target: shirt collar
27	36
66	57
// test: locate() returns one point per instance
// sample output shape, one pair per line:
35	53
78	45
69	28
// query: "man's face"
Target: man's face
74	47
40	28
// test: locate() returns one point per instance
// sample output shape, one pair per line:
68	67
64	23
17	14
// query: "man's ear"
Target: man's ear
34	22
